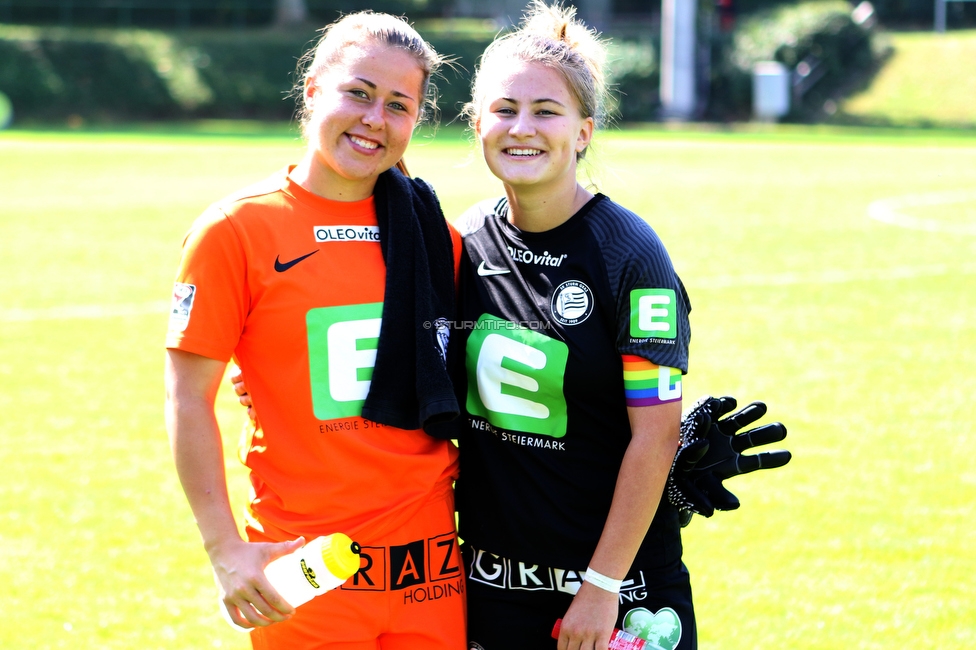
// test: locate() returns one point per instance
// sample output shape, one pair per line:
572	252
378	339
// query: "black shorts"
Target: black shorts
513	606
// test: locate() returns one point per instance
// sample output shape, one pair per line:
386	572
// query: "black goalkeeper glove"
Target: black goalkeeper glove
711	451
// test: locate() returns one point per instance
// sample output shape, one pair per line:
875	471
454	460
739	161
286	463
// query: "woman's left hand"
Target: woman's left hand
236	379
588	624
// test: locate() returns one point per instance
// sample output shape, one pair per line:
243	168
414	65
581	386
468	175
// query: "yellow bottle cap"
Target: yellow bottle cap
340	555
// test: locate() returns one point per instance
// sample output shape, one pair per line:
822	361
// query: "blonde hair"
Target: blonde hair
367	27
553	36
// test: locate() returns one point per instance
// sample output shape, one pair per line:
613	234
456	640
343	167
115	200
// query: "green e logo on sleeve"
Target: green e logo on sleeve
342	344
652	314
515	377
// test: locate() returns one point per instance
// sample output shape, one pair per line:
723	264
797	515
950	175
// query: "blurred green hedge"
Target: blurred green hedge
52	73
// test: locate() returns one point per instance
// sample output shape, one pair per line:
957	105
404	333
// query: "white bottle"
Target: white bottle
320	566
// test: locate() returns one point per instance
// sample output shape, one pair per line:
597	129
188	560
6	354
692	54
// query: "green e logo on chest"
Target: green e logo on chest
342	344
515	377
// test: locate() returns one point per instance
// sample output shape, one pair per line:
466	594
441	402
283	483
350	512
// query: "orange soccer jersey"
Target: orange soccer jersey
291	285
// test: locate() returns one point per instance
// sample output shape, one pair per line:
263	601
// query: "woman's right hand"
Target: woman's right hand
245	593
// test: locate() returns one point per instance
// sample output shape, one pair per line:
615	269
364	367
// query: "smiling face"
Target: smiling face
530	127
362	112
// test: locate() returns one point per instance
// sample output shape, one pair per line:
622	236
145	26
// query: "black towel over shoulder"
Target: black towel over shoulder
410	388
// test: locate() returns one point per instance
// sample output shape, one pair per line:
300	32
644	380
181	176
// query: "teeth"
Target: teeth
524	152
365	144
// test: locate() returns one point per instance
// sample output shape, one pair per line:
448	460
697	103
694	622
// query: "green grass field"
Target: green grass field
928	80
859	332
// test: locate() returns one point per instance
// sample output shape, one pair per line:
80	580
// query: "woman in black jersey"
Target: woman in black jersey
574	343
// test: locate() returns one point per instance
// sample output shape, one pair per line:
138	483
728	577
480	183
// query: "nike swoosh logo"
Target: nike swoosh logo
281	267
484	270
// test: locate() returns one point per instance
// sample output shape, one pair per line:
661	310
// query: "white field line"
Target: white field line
70	312
890	211
837	276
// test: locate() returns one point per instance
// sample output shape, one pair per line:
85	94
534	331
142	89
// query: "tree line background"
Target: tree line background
253	13
121	60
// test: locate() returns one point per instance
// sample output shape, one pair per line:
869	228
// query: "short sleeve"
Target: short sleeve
651	304
210	294
653	317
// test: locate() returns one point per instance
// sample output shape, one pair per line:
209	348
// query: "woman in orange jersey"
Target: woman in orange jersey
291	278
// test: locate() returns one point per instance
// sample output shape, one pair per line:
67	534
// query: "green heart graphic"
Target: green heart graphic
661	631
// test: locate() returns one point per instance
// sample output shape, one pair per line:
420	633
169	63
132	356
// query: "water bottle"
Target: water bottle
320	566
619	641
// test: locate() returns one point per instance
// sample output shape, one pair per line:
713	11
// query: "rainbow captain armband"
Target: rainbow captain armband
647	384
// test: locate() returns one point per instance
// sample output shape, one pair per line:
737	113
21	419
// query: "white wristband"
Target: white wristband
602	581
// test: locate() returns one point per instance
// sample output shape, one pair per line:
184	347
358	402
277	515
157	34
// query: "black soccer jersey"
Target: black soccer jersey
545	321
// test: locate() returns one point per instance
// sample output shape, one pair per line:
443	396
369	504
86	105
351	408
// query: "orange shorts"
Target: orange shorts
409	594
